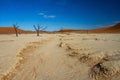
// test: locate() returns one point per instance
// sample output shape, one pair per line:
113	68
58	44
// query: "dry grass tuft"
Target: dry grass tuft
106	69
73	54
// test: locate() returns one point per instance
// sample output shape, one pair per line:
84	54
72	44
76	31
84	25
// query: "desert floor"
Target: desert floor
67	56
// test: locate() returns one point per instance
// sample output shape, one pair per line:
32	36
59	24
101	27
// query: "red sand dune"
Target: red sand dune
111	29
10	30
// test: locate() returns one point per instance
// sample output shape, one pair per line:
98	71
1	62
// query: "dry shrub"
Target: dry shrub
106	69
61	44
84	58
69	48
90	39
73	54
96	39
91	59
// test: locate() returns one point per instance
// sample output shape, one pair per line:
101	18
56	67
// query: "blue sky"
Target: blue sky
58	14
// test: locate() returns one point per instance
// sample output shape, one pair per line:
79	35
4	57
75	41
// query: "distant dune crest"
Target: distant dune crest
110	29
10	30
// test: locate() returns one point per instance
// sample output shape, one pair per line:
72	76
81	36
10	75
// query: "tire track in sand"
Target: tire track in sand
25	58
47	61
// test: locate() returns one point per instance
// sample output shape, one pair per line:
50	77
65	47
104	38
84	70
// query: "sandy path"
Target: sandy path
47	61
60	57
57	65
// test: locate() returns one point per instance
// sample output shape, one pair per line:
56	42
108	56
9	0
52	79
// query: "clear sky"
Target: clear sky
58	14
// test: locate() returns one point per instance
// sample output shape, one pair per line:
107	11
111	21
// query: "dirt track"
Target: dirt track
59	57
45	61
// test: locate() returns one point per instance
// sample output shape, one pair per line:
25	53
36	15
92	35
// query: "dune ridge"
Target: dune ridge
10	30
110	29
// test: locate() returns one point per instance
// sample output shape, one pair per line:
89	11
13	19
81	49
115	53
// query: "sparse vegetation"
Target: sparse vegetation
106	68
16	29
38	28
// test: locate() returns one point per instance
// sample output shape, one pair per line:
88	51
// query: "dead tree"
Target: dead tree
39	28
16	29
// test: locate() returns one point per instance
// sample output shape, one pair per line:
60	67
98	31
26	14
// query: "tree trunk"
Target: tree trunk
37	33
16	32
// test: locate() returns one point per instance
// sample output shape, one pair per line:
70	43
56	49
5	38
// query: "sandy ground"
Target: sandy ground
60	57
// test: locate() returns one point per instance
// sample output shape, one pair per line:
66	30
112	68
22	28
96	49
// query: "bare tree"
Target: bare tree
16	29
39	28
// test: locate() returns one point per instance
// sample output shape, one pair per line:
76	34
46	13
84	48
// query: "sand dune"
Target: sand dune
110	29
10	30
70	56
